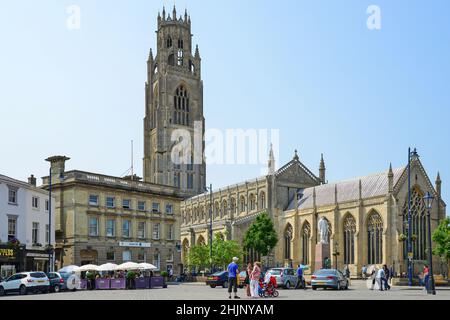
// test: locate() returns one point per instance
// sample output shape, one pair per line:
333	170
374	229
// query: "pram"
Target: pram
267	290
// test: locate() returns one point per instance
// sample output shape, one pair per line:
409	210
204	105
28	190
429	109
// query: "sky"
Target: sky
312	69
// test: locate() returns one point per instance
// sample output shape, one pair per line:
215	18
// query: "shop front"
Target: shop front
37	260
12	260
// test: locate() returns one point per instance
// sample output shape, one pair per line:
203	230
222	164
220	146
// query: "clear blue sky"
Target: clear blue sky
309	68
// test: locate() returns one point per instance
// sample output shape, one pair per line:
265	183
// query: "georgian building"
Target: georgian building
102	219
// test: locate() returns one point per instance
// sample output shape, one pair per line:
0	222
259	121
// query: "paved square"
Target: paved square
199	291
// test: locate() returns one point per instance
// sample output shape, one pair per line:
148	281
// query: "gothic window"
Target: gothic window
181	105
375	239
287	241
252	202
242	204
418	225
180	43
201	241
171	60
180	57
191	66
169	42
306	234
224	208
262	200
349	239
233	205
217	209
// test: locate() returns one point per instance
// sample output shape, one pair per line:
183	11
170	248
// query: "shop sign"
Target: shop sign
135	244
6	253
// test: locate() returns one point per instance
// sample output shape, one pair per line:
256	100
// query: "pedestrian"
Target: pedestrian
386	278
233	272
254	279
170	274
347	271
373	277
247	279
426	276
380	278
364	272
300	283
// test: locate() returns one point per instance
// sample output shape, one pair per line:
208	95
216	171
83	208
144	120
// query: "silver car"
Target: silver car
329	278
286	277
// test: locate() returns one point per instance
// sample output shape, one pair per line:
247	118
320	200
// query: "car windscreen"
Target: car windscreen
37	275
274	272
325	272
220	273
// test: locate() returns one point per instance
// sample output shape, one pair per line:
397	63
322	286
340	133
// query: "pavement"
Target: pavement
199	291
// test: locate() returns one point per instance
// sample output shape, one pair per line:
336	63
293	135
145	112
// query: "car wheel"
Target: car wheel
225	284
212	286
287	285
56	289
2	291
314	288
22	290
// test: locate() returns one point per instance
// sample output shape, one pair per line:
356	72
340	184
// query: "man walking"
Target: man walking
300	283
380	278
232	277
364	272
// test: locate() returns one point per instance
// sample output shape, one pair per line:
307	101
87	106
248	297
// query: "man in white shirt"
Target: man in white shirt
380	276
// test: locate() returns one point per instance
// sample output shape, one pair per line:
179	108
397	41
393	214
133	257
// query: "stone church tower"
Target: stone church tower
173	104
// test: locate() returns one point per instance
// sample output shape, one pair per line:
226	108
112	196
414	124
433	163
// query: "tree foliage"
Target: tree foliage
441	237
261	236
225	250
198	257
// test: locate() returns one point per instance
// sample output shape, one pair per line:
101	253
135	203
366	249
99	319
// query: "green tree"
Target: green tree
198	257
441	238
261	236
225	250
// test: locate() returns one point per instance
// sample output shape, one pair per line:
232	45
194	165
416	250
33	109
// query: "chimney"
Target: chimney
32	180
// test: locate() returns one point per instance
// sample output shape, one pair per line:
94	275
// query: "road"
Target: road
197	291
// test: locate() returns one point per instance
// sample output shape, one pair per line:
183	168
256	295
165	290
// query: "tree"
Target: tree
261	236
224	251
198	257
441	237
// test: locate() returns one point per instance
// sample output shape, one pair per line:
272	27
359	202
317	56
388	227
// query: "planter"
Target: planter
102	284
156	282
118	283
142	283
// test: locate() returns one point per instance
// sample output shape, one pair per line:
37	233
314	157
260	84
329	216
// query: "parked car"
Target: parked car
242	276
329	278
57	282
25	282
218	279
286	277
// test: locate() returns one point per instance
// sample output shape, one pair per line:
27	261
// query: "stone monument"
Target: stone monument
322	247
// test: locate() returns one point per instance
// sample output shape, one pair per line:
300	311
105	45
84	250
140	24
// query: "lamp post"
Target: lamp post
409	243
210	225
50	253
429	203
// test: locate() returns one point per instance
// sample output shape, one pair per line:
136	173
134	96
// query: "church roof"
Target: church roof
371	186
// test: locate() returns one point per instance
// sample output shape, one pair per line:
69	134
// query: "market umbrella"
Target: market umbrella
128	266
107	267
87	267
147	266
69	269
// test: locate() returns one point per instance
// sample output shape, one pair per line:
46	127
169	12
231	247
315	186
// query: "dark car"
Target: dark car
218	279
57	282
329	278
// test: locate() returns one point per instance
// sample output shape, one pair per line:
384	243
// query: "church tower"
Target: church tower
174	104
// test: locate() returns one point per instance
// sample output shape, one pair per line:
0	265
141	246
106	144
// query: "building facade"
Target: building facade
24	226
366	216
102	219
174	124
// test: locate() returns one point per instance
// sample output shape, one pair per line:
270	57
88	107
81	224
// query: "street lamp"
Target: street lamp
411	155
336	254
429	203
210	224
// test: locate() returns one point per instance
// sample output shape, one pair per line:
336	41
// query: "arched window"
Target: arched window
169	42
349	239
252	202
262	200
180	57
418	225
171	60
233	205
201	241
375	238
181	106
216	209
306	234
287	241
242	204
224	211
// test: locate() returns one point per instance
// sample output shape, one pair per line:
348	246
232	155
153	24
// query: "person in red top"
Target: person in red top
426	276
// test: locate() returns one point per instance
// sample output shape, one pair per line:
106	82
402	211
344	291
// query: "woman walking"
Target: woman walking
247	279
254	279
